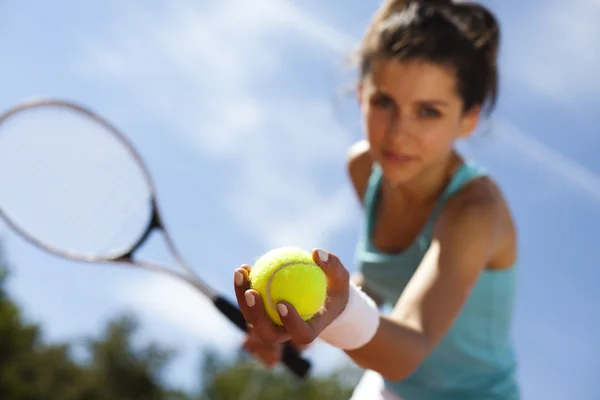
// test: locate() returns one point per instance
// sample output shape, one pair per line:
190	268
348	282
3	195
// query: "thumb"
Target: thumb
338	276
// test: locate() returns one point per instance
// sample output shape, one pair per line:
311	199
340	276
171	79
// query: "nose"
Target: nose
399	126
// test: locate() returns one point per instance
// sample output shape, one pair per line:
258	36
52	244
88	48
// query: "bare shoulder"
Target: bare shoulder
481	207
359	163
480	195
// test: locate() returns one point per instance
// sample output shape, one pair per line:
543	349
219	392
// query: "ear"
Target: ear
469	122
359	93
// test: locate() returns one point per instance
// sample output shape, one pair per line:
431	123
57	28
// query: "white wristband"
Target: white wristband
356	325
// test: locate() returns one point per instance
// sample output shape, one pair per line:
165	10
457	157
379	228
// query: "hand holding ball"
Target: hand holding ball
289	274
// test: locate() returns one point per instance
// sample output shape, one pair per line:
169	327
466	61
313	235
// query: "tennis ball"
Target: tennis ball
289	274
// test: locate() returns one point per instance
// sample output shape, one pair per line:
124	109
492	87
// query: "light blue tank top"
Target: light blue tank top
475	359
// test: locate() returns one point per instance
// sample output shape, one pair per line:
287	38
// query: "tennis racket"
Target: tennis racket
72	185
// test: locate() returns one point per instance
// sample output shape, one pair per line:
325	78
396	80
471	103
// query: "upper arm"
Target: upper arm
464	240
359	164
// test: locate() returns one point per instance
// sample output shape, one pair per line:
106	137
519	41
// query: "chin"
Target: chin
398	175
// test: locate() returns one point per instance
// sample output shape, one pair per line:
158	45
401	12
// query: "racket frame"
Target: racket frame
291	357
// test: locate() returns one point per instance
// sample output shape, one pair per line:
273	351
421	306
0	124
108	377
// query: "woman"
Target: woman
439	243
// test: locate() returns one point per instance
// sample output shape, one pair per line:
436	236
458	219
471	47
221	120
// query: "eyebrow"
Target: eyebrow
435	102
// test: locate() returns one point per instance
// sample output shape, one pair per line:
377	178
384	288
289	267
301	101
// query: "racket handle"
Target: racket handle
291	357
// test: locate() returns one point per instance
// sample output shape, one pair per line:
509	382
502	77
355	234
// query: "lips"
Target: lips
396	157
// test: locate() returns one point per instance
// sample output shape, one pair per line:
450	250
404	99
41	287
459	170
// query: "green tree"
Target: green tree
126	372
245	379
31	369
28	368
114	368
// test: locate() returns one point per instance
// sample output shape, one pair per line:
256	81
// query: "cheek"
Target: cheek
437	141
376	126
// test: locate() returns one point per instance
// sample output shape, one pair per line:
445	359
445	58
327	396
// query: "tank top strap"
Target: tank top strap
467	172
370	196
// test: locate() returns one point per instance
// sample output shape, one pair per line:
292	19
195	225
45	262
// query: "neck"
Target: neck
429	185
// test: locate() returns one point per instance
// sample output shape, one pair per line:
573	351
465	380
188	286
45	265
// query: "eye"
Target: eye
429	112
382	101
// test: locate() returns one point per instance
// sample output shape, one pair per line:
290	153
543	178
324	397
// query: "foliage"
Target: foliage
114	369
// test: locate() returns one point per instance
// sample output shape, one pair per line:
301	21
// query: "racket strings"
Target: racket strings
59	191
84	191
74	188
12	166
119	209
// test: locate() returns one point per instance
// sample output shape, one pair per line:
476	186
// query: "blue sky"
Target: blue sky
231	103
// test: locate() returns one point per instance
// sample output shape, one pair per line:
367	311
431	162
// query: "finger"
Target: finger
251	337
253	310
241	285
338	276
272	355
241	277
300	331
263	328
267	354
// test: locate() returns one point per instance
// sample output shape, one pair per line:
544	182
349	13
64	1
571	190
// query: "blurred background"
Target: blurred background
235	106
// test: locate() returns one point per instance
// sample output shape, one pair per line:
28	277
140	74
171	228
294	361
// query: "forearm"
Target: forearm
385	344
395	351
359	280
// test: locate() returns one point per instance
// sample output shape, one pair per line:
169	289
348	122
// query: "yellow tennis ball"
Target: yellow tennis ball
289	274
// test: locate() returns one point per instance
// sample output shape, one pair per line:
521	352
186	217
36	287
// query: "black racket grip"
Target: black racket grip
291	358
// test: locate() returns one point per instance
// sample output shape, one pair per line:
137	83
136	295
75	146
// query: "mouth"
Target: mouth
398	158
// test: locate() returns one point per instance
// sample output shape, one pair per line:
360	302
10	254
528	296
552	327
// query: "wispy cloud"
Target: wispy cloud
555	51
225	115
550	159
199	70
203	71
181	306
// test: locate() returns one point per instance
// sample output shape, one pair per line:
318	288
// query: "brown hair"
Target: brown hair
462	36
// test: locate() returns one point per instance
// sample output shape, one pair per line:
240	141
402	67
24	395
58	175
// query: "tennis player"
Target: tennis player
439	244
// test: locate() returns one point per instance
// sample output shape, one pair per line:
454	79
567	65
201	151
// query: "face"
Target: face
412	114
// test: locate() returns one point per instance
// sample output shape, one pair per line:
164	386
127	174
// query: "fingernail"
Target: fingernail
283	311
239	278
323	255
250	300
